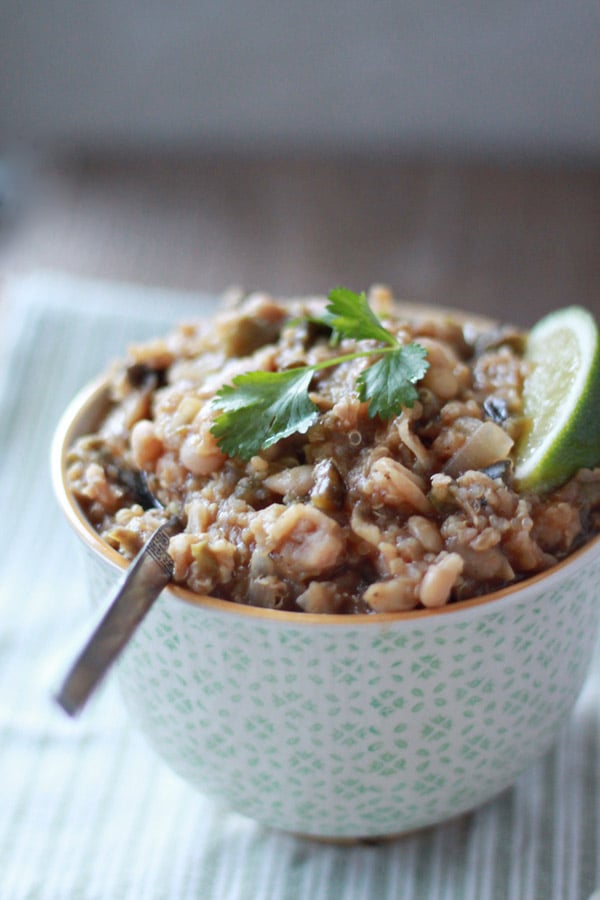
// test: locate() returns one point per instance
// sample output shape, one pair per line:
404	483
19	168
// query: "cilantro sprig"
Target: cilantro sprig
349	315
261	408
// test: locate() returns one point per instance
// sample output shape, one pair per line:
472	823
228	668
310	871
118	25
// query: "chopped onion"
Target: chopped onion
488	444
296	481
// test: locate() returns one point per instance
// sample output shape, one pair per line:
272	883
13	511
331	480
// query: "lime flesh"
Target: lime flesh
561	398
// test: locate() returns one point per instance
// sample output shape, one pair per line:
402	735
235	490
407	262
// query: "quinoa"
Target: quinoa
357	514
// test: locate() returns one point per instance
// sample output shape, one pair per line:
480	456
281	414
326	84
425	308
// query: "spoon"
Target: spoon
146	577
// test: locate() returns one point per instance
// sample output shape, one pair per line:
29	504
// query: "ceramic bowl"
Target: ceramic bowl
349	726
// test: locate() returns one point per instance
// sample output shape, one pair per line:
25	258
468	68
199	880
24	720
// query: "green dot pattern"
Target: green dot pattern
350	730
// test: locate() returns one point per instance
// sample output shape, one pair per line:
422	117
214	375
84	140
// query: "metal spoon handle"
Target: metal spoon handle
147	576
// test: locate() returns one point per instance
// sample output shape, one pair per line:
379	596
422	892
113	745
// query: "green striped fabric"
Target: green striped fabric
87	811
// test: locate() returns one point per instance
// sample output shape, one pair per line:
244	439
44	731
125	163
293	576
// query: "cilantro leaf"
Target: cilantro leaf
350	315
260	408
388	384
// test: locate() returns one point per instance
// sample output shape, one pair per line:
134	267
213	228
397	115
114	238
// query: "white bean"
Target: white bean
398	485
146	446
443	382
199	452
439	580
302	540
426	532
394	595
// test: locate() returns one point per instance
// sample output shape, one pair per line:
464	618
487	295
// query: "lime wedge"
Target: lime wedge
561	398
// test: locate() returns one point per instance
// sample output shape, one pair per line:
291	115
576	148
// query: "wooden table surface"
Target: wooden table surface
511	241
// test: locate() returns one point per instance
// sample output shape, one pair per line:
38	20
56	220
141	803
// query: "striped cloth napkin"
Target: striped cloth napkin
87	811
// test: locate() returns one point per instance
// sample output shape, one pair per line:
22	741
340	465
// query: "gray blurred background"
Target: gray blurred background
448	149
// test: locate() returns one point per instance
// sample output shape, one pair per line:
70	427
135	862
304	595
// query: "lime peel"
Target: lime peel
561	398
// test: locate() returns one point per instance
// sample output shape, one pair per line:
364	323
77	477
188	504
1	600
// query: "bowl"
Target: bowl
346	727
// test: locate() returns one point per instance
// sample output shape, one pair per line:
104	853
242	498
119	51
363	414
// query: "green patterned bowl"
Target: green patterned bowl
349	726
